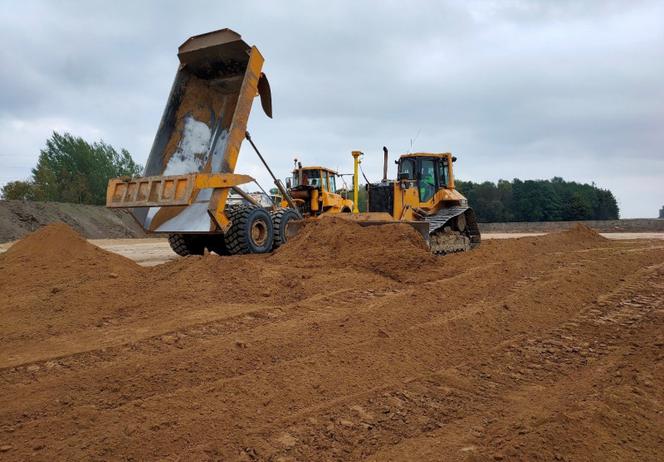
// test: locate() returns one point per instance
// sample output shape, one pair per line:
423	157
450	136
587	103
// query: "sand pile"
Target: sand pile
582	233
388	250
58	253
54	281
577	237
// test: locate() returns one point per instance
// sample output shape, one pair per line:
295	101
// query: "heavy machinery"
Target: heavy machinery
314	191
423	195
190	169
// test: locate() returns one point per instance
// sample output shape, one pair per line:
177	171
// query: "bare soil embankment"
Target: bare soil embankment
347	344
19	218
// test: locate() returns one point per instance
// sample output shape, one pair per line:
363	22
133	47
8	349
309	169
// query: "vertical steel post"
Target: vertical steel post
356	184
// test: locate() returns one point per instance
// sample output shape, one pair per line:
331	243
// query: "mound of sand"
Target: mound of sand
392	250
581	232
57	252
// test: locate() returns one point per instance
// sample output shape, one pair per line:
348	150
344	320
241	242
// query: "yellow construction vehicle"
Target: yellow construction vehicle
314	191
423	195
190	170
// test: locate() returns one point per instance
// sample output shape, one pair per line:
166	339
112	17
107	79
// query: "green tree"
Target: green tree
70	169
18	190
538	200
577	207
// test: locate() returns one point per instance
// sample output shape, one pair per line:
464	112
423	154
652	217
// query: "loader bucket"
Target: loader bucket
203	125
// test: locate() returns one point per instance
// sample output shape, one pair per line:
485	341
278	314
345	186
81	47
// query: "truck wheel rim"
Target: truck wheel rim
259	232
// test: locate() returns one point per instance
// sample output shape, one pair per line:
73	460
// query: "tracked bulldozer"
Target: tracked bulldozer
190	170
423	196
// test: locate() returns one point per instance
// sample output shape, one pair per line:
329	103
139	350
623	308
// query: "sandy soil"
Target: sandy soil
347	344
154	251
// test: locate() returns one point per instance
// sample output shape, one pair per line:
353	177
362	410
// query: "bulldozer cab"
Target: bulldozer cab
429	173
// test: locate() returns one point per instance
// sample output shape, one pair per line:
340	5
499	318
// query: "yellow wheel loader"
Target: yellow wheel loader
314	192
423	196
190	169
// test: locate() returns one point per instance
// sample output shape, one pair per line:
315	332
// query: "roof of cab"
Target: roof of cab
317	168
426	154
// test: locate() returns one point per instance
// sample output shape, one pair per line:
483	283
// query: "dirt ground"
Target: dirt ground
154	251
347	344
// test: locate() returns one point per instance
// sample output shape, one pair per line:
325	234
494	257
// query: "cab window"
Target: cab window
407	169
333	184
309	178
427	180
313	178
443	172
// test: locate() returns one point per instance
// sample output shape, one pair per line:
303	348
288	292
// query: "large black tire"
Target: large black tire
251	230
280	220
186	244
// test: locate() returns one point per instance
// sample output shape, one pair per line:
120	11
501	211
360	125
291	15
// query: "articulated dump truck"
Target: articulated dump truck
190	169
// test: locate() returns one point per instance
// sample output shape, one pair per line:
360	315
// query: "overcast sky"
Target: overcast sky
515	89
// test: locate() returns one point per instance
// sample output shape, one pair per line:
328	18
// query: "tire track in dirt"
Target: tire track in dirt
525	403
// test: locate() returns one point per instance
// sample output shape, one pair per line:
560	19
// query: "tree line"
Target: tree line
70	169
538	200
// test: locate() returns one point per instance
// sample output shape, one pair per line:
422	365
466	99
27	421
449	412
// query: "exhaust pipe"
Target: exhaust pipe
384	164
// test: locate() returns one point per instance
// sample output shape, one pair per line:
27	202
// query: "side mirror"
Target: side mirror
289	185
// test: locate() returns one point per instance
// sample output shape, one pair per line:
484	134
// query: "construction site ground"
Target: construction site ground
155	250
347	344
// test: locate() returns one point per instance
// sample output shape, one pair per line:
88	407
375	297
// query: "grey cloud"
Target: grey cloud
527	89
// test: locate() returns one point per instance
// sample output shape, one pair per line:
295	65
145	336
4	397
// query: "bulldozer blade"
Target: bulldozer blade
203	125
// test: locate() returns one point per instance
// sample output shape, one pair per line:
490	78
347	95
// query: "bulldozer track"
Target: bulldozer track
444	240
